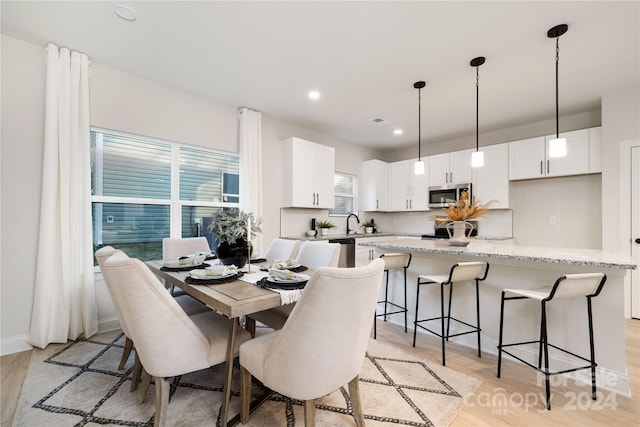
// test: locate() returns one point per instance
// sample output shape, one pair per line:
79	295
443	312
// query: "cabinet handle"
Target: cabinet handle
541	172
318	199
450	177
377	204
406	203
410	204
547	166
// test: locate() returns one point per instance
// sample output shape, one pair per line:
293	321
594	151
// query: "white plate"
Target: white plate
201	274
297	278
176	264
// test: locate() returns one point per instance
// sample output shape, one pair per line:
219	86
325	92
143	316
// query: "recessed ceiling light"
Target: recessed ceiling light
125	12
397	132
314	94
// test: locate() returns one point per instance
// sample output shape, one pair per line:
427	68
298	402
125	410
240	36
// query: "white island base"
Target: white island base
520	267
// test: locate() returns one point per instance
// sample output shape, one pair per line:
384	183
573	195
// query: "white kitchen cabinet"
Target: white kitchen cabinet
595	149
407	191
375	177
366	254
450	168
308	174
491	182
528	158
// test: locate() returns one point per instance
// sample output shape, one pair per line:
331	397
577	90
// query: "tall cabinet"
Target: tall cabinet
491	182
375	176
308	174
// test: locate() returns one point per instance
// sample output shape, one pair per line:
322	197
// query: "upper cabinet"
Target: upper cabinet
528	158
450	168
375	177
407	191
491	182
308	174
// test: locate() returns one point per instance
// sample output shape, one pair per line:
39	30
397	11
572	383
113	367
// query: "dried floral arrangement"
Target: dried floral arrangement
463	209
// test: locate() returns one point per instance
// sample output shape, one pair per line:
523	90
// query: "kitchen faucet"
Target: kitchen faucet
357	219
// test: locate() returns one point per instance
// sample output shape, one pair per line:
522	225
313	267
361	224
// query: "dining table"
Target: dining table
234	299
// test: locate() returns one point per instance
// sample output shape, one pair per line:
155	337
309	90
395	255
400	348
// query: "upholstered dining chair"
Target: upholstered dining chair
282	249
190	306
322	344
168	342
173	248
313	255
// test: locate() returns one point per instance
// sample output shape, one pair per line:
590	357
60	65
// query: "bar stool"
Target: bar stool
393	261
586	285
476	270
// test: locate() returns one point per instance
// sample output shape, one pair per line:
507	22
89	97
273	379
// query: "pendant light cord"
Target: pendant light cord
477	104
419	108
557	105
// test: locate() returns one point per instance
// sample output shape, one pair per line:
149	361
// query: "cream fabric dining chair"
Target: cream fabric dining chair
313	255
173	248
168	342
281	249
190	306
323	343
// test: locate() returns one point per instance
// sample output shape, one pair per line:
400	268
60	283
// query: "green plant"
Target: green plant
230	225
325	224
369	223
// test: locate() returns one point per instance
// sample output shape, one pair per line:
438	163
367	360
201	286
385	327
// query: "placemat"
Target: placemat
185	268
295	270
264	283
213	281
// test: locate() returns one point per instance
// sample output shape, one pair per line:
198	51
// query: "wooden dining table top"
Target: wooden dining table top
232	299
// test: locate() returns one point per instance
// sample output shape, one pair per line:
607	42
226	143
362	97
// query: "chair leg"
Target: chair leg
500	334
136	374
386	296
442	336
415	321
449	309
310	413
245	394
354	393
478	317
405	300
128	345
375	325
162	401
546	355
144	386
592	348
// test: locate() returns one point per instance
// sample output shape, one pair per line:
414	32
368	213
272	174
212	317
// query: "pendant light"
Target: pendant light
477	157
557	146
419	165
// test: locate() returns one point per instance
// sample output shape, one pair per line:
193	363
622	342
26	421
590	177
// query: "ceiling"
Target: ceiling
362	56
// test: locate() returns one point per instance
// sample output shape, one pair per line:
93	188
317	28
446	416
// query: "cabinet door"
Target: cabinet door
491	182
439	169
460	167
324	176
399	186
301	179
419	200
526	158
576	161
374	182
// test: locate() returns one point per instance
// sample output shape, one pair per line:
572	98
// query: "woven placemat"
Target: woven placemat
193	281
185	268
264	283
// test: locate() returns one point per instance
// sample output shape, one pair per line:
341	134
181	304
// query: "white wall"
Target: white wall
123	102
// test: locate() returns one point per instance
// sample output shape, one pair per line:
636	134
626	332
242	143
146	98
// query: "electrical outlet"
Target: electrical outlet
552	220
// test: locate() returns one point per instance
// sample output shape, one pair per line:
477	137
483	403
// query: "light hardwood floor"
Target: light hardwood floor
513	400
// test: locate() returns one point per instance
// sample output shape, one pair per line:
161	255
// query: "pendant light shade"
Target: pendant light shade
477	157
557	146
418	168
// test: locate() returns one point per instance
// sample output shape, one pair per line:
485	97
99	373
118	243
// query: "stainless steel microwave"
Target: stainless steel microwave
441	196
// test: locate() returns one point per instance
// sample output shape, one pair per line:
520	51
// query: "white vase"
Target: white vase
324	231
459	236
368	230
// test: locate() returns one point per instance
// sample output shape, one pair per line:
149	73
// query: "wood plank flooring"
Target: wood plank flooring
513	400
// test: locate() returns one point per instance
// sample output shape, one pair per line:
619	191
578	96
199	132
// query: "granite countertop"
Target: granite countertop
480	248
346	236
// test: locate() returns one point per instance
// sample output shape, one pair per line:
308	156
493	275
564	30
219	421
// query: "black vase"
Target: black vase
236	253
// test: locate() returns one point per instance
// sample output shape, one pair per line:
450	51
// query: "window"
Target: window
346	190
144	190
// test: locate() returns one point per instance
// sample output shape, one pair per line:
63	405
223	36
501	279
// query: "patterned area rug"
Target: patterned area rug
78	384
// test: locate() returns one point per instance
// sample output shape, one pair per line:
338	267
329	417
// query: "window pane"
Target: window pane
345	194
137	229
343	183
132	167
196	221
201	174
344	206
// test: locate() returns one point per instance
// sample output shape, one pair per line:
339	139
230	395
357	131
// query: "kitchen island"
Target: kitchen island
525	267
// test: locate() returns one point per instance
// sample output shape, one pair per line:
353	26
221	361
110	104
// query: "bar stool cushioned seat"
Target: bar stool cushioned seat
586	285
394	261
463	271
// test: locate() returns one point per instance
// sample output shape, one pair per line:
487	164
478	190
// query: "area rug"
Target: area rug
78	384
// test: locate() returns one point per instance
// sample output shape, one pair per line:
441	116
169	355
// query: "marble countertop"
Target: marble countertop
484	248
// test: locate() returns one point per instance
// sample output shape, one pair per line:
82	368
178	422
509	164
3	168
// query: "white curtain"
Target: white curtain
250	148
64	305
